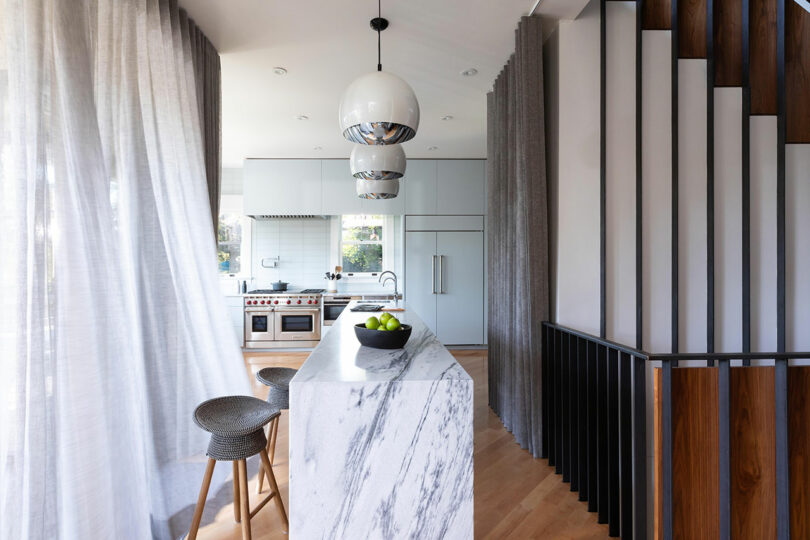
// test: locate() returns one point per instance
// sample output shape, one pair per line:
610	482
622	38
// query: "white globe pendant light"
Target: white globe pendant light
377	189
379	108
378	162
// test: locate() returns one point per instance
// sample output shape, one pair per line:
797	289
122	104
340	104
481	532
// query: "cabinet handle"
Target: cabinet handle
433	275
441	274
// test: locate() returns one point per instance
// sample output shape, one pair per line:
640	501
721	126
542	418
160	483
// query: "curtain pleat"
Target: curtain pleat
518	238
112	325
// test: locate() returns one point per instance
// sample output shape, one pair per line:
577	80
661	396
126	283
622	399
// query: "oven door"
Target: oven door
259	327
302	324
332	310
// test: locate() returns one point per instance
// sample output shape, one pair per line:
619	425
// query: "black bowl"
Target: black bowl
388	339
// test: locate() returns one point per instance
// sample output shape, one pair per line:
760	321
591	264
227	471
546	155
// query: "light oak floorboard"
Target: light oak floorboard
516	496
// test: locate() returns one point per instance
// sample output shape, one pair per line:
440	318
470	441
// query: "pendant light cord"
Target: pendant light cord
379	50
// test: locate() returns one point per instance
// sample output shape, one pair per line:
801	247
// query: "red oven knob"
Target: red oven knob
309	301
275	301
316	301
299	301
262	301
289	302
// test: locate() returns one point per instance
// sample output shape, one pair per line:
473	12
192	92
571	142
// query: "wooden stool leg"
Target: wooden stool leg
198	510
272	442
261	479
271	480
236	514
244	500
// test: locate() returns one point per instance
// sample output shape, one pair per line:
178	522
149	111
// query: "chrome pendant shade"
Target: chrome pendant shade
377	189
378	162
379	108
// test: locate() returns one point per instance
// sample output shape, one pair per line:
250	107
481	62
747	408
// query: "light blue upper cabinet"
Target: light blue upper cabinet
420	193
282	187
339	195
461	187
445	187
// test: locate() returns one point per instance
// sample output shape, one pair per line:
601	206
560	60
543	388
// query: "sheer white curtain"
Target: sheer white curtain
112	327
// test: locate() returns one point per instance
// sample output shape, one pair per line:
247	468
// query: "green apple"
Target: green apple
384	317
372	323
382	328
392	324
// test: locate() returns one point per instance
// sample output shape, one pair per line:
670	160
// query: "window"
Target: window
229	244
361	243
233	238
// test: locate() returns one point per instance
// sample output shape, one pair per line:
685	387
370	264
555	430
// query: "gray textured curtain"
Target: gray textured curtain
518	237
207	74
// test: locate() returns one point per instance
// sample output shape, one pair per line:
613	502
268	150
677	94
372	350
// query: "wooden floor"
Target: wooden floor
516	496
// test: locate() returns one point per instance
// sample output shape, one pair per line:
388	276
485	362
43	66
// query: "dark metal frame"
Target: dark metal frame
611	426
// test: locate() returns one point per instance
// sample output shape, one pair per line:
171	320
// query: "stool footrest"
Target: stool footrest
261	504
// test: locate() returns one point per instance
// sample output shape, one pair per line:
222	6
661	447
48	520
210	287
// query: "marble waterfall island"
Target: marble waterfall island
381	441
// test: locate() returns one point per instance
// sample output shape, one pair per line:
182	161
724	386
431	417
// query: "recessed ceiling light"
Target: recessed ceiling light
317	147
470	72
279	71
302	117
447	117
432	148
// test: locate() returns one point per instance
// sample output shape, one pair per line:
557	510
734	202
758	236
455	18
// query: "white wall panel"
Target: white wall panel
656	162
579	173
621	172
763	233
797	246
728	219
692	205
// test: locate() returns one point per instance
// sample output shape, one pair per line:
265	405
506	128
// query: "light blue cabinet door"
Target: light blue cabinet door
460	186
460	302
420	273
338	195
282	186
420	191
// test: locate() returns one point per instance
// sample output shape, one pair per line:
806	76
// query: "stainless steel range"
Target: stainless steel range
282	319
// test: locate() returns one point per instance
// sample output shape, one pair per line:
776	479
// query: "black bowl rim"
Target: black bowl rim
402	326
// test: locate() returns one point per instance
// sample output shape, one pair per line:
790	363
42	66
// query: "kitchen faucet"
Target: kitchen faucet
387	279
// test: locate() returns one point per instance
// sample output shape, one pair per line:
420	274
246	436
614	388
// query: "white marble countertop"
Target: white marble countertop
340	358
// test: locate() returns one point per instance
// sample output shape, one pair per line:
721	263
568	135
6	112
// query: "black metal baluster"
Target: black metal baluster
593	427
560	446
573	416
546	374
582	388
639	447
602	397
614	495
625	445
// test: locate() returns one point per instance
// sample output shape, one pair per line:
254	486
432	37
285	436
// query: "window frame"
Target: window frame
387	245
232	204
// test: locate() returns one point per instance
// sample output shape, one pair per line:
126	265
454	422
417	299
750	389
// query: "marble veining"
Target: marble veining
381	442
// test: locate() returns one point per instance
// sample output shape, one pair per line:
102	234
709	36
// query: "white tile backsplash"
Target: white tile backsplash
303	248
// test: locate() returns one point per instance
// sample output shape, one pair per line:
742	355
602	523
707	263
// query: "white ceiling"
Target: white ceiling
325	44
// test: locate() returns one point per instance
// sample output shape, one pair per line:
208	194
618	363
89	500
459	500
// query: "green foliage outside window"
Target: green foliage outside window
361	243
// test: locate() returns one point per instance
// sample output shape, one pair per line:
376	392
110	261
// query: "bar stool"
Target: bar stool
236	424
278	379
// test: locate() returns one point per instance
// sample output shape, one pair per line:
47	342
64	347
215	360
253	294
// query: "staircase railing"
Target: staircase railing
595	428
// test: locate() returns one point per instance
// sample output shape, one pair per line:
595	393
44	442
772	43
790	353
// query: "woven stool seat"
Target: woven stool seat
235	424
278	379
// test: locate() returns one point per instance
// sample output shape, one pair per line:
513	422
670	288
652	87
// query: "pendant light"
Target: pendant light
379	108
378	162
377	189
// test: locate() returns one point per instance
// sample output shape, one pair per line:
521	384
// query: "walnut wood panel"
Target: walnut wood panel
658	472
799	450
695	499
762	36
753	453
692	28
727	30
656	15
797	73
